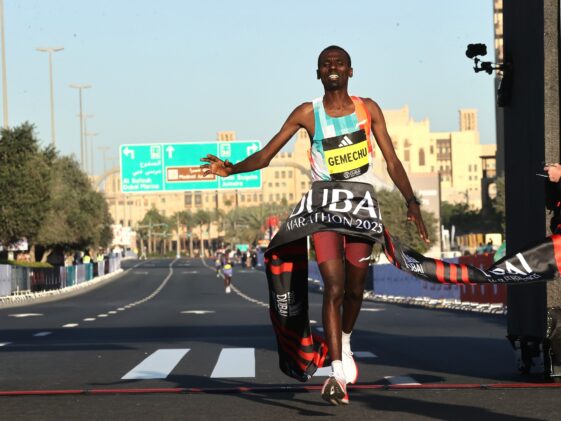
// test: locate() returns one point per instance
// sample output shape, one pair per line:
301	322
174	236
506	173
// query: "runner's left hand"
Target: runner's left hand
414	215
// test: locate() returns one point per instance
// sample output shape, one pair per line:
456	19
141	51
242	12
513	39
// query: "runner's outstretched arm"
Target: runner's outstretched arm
300	117
395	167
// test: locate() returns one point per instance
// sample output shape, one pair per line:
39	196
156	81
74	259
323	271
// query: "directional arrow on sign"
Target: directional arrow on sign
251	149
128	152
170	151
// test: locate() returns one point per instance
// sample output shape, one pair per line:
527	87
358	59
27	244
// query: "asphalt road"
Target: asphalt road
164	341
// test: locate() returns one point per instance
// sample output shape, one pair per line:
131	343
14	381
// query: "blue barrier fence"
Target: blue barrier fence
18	279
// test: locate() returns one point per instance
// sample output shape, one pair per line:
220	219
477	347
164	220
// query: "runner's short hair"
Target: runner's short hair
335	47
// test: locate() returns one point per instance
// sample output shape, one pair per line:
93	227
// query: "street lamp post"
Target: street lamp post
51	50
104	149
84	118
91	149
4	78
80	87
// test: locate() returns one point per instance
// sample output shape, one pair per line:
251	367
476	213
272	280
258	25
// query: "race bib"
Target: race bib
346	156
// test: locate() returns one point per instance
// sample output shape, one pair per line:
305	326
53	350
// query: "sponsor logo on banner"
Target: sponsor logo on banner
287	304
509	272
351	208
412	264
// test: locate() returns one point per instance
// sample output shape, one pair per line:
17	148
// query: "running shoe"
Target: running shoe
228	290
349	366
334	391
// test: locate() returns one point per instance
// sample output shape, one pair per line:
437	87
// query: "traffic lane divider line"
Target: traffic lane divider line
281	389
237	291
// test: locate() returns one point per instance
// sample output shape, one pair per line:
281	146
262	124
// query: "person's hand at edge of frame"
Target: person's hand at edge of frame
216	166
414	215
553	171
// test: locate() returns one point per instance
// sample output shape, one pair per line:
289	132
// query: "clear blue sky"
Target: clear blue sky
175	71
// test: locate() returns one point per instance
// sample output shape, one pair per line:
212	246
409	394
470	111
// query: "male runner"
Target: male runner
335	122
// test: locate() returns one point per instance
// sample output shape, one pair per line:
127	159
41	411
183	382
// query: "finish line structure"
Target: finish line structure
278	389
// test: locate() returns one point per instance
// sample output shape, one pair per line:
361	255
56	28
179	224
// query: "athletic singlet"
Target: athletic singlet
341	147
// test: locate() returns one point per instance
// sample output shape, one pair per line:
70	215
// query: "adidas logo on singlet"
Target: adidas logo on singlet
345	142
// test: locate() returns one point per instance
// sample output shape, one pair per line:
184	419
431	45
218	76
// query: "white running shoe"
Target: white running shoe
349	366
334	391
228	290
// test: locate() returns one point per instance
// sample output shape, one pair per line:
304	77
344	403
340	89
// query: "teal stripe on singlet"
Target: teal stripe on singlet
327	127
340	125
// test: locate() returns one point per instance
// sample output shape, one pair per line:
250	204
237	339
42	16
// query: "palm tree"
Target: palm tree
201	218
187	218
152	225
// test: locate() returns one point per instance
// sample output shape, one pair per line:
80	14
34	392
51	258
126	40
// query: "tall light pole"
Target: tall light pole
4	79
104	149
80	87
51	50
91	149
84	118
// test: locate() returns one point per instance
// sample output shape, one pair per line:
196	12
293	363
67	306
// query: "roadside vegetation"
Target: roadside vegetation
47	199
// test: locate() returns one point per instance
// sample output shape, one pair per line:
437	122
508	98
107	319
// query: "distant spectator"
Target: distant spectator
253	259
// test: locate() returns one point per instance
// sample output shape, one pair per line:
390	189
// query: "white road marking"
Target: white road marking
121	309
140	273
112	312
373	309
326	371
20	315
70	325
313	322
158	365
323	372
89	319
40	334
235	362
364	354
404	380
198	312
102	315
190	271
4	344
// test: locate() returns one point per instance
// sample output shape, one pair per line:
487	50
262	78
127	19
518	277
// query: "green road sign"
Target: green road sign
176	166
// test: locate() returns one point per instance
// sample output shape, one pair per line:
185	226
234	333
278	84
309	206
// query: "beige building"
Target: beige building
455	155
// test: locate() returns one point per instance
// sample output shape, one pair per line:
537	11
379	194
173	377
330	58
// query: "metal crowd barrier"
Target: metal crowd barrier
5	280
18	279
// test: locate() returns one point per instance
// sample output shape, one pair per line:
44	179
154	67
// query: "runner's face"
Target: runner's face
334	71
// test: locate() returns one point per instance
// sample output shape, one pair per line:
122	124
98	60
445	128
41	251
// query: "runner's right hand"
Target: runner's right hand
216	166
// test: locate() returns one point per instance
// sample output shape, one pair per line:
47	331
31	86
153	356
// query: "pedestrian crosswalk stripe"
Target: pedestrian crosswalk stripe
401	380
235	362
326	371
323	372
364	354
158	365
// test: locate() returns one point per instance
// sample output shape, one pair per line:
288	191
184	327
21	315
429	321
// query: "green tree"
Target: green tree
78	217
24	184
247	225
394	217
202	217
468	220
153	228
